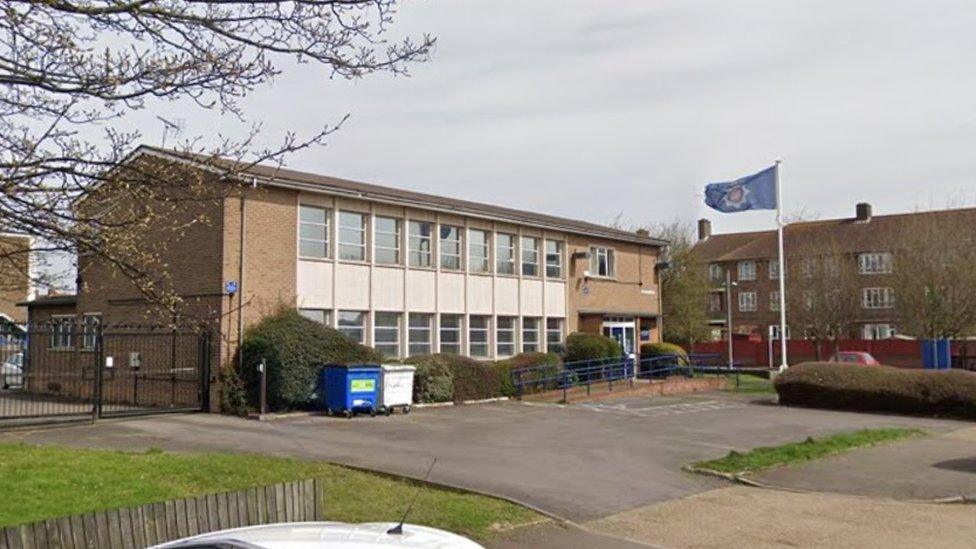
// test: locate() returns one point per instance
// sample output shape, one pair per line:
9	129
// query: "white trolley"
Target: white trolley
396	387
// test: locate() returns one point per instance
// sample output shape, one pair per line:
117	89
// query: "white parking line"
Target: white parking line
661	410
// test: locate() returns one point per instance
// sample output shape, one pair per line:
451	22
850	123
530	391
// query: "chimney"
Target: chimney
643	232
704	229
863	212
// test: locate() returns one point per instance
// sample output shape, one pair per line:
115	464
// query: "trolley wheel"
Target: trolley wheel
406	409
348	414
372	412
388	411
328	412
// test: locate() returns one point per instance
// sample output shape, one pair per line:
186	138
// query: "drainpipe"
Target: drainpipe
240	278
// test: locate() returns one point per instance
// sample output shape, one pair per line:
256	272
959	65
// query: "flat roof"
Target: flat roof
50	300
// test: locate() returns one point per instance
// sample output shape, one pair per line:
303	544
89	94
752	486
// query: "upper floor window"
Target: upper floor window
62	330
505	253
747	270
773	301
90	324
352	236
554	258
450	247
715	303
774	269
530	256
478	243
602	261
877	298
386	241
747	301
420	233
715	272
313	231
874	263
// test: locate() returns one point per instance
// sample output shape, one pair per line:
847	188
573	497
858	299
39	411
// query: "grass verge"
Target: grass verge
749	383
41	482
761	458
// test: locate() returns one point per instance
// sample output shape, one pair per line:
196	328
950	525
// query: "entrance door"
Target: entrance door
623	333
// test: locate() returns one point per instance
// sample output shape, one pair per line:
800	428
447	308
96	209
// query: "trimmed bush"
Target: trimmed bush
468	379
583	346
661	349
527	360
295	348
879	389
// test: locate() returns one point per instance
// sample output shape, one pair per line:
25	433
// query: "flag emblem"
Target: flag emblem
753	192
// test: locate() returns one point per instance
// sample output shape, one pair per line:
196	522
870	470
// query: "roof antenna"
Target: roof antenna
398	529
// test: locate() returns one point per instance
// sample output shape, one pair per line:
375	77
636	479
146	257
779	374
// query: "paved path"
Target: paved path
922	468
578	462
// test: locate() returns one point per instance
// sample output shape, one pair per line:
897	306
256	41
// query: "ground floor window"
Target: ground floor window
386	334
478	327
505	336
90	326
322	316
352	324
530	335
878	331
61	332
450	334
419	333
554	335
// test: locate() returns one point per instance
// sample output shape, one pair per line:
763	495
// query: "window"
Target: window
450	247
61	332
478	327
418	334
478	251
352	324
386	334
808	299
530	335
747	301
504	253
554	335
747	270
874	263
313	232
90	324
774	332
879	331
322	316
386	241
451	334
420	243
554	258
877	298
715	303
602	262
774	301
505	336
715	272
774	270
530	256
352	236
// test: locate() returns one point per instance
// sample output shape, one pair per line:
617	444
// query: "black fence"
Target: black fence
63	371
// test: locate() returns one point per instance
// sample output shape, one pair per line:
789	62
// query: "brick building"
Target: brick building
405	272
868	245
16	276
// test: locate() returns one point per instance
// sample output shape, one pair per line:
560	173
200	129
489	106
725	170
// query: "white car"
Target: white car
322	535
11	371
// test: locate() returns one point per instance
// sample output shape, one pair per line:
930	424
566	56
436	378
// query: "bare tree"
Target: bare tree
684	285
72	71
822	290
934	275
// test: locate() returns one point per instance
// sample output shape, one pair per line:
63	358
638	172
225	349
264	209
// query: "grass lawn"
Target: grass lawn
751	384
810	449
48	481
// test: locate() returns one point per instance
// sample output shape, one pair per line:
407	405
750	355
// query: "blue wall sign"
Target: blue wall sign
231	287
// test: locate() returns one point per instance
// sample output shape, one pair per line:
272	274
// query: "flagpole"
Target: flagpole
782	269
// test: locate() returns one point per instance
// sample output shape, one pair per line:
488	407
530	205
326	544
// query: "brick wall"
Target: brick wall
15	280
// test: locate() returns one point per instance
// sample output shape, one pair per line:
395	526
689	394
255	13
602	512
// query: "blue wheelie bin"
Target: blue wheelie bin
352	389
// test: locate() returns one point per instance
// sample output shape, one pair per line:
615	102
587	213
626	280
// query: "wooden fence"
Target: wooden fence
145	525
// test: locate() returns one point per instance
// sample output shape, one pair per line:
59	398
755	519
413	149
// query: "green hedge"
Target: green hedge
295	349
661	349
583	346
552	362
879	389
446	377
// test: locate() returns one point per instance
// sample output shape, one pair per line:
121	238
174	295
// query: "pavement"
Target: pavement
581	462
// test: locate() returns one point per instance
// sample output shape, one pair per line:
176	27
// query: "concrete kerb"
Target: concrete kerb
274	416
741	478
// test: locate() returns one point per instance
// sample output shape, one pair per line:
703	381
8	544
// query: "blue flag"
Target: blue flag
752	192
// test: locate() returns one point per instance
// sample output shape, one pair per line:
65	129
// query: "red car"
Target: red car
856	357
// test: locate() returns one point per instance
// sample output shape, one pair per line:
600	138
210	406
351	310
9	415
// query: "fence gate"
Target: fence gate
63	371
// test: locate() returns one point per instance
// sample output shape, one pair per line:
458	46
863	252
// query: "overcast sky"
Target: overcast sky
592	109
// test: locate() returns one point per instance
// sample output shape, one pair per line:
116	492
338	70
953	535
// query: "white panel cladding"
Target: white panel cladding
450	292
314	284
479	295
531	297
555	299
352	287
421	291
507	296
387	289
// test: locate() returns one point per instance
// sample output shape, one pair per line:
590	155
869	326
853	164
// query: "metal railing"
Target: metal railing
590	372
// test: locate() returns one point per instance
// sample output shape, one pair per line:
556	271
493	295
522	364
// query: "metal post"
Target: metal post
99	366
782	269
263	369
565	388
728	311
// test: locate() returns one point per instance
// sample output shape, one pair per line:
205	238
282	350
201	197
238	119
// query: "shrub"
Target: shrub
551	361
879	389
583	346
664	349
295	349
468	379
233	392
